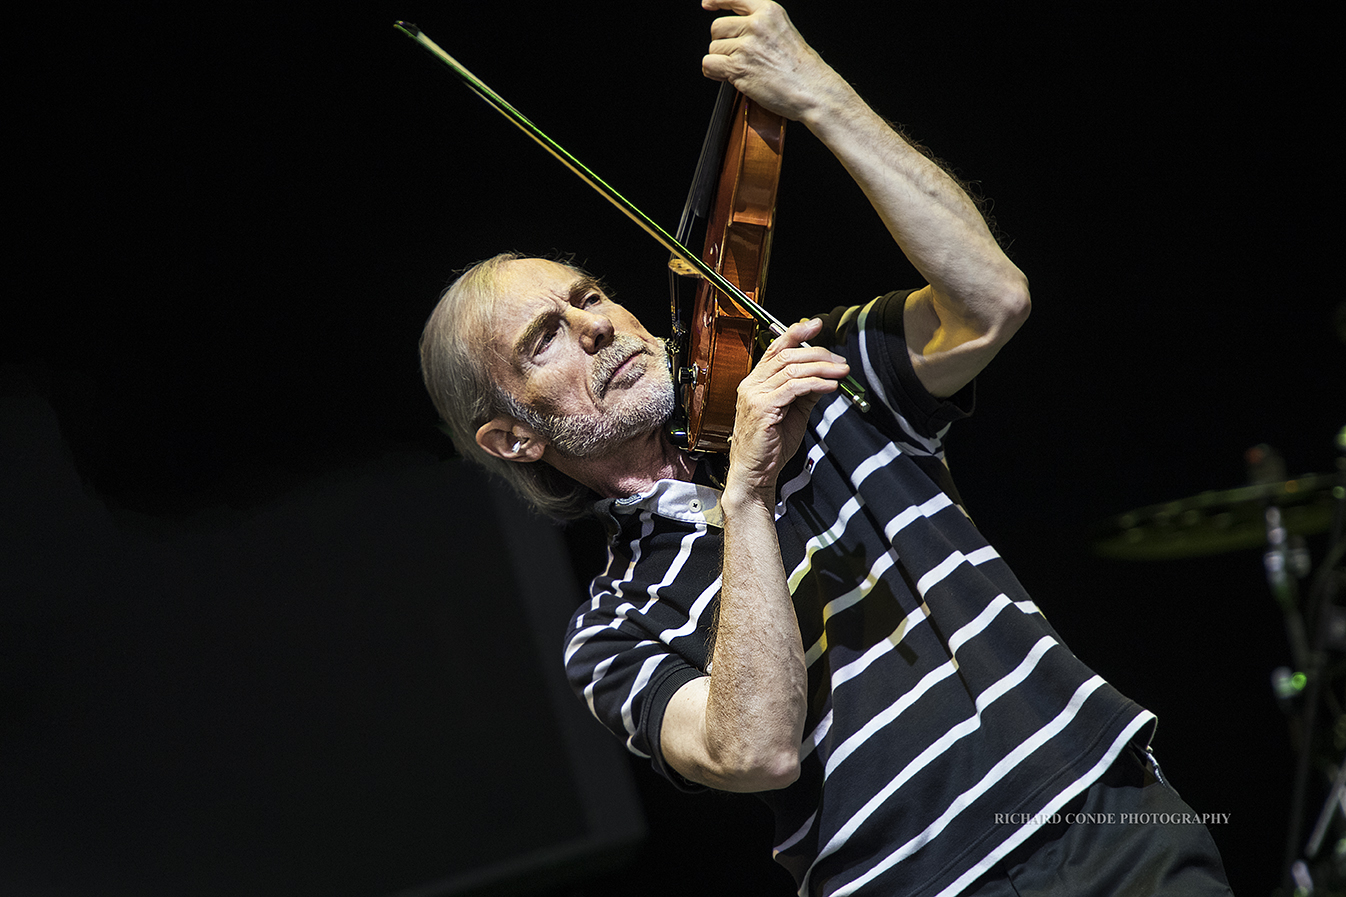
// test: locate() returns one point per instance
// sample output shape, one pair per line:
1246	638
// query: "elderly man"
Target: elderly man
820	623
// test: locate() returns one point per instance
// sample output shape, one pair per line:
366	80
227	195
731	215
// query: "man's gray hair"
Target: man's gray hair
455	347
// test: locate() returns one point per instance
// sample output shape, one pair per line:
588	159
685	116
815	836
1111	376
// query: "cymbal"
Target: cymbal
1220	521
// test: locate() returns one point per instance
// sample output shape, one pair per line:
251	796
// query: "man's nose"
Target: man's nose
595	331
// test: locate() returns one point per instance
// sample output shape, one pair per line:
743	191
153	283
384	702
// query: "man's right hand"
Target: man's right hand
774	403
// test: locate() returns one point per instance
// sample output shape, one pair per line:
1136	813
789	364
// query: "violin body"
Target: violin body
720	334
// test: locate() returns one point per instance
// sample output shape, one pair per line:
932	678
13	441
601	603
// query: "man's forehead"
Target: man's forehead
526	278
526	291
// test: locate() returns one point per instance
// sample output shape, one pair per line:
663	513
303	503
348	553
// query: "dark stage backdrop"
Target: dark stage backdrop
252	606
350	691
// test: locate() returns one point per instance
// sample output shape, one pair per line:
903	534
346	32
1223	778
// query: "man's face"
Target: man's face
583	371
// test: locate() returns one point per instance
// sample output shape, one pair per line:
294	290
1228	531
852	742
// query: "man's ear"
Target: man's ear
511	440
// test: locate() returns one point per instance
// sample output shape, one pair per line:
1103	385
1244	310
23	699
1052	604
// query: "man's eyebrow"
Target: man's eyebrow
530	333
578	289
585	285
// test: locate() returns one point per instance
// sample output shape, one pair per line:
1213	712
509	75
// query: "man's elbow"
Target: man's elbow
766	772
1010	307
765	760
782	771
1015	302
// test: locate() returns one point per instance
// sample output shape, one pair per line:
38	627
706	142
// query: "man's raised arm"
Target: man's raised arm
976	298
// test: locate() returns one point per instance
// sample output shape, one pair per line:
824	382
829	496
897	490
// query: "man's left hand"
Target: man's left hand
759	50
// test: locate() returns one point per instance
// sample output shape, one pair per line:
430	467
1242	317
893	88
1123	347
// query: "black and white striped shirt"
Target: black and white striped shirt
946	718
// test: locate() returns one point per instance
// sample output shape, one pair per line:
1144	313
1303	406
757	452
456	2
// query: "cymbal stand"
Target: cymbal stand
1323	591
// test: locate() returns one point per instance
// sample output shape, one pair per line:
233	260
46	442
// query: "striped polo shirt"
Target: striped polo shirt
946	719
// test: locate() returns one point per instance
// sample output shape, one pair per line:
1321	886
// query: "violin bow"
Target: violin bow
849	386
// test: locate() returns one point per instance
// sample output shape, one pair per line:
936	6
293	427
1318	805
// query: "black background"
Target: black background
233	223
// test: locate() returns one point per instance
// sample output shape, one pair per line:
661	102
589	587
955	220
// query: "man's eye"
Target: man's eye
593	299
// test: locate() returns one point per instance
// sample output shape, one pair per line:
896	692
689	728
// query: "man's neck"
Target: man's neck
630	468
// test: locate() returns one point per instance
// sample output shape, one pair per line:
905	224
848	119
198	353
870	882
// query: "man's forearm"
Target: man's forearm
932	219
756	704
739	728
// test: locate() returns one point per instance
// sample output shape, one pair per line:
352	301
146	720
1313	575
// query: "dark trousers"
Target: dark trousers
1132	844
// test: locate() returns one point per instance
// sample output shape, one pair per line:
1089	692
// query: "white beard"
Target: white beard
593	434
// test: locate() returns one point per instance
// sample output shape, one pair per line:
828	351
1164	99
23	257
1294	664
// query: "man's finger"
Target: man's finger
799	332
742	7
727	27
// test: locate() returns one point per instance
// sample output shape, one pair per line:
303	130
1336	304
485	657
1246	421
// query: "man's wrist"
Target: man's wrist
838	106
739	497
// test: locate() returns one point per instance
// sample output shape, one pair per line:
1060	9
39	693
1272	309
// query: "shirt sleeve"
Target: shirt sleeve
873	339
643	635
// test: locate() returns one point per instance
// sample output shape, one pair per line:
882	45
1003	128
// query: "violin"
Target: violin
721	333
714	347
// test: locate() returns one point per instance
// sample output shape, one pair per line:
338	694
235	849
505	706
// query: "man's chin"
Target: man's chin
599	436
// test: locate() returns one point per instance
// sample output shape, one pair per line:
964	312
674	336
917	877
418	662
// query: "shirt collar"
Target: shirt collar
674	499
